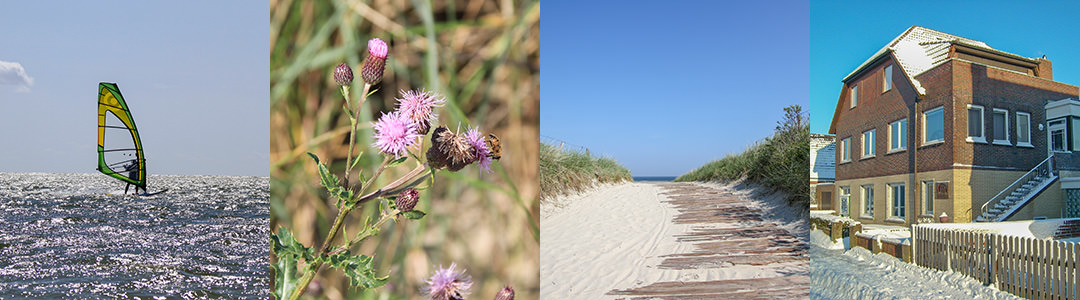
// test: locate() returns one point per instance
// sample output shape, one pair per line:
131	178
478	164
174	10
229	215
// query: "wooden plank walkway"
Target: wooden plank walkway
726	232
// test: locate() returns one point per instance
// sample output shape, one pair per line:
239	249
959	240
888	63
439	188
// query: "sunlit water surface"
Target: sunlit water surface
73	236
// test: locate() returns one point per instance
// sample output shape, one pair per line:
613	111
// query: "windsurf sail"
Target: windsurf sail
120	152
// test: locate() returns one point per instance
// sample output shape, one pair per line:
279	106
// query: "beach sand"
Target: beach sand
634	239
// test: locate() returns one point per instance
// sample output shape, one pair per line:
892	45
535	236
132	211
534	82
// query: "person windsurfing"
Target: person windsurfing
133	169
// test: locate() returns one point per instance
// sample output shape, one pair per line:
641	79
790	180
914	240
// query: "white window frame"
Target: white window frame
887	79
868	145
845	150
867	193
854	95
1058	125
897	212
928	195
1018	141
926	142
901	144
999	141
982	124
845	199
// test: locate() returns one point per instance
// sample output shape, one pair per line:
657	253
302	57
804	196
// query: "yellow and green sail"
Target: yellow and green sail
120	152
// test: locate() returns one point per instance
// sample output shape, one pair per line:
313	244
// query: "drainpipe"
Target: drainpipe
915	164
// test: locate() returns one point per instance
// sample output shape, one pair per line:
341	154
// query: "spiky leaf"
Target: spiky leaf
288	252
360	269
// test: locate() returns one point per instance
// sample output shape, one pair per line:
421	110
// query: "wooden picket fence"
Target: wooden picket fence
1026	267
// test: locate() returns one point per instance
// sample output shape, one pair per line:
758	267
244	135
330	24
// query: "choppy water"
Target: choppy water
64	236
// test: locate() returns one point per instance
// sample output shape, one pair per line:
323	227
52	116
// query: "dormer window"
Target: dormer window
854	95
888	79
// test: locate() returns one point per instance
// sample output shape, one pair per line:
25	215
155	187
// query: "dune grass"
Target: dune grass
564	171
780	161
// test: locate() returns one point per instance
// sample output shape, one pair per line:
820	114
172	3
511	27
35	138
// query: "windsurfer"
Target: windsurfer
133	170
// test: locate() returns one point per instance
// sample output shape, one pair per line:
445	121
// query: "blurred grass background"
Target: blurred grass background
567	170
484	57
780	161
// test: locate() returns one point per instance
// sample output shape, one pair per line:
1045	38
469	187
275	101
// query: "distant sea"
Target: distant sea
73	236
654	178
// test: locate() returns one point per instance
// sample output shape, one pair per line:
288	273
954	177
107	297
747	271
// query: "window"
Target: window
928	197
896	198
888	79
854	95
1023	129
868	200
868	143
975	124
898	135
934	129
1001	127
1057	136
845	150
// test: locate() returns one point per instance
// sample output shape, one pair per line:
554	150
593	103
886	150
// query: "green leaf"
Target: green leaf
331	182
288	252
397	161
372	92
413	215
360	269
356	161
352	119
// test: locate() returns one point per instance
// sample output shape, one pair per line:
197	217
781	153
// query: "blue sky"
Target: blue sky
844	34
195	74
665	88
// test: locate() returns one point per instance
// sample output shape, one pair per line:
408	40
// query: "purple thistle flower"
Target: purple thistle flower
372	71
447	284
419	106
394	133
482	154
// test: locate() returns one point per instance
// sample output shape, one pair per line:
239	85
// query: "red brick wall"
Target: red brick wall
875	110
996	88
952	85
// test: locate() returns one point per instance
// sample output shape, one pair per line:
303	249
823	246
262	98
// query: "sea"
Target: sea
654	178
76	236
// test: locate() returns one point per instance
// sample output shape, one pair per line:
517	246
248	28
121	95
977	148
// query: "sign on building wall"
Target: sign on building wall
941	190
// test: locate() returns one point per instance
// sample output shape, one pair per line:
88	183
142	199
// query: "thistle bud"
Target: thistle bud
406	201
376	61
507	293
343	75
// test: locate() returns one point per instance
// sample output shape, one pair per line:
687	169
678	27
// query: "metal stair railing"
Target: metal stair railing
1045	168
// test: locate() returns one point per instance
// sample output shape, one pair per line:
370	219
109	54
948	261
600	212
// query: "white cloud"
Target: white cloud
12	73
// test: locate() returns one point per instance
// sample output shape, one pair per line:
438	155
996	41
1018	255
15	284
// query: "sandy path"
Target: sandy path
661	240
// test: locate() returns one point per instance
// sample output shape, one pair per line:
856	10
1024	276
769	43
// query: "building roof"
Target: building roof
917	50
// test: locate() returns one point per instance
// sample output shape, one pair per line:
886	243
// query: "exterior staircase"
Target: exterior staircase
1013	197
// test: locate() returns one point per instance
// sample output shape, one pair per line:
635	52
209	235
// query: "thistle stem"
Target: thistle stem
317	264
355	124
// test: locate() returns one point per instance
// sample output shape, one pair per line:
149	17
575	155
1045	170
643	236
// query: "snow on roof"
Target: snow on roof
919	49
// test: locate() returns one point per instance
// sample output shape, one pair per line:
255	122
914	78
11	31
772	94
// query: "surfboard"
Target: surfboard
154	193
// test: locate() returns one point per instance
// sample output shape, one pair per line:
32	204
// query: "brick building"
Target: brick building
935	123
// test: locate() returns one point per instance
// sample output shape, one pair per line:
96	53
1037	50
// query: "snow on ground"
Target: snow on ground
859	274
1039	229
